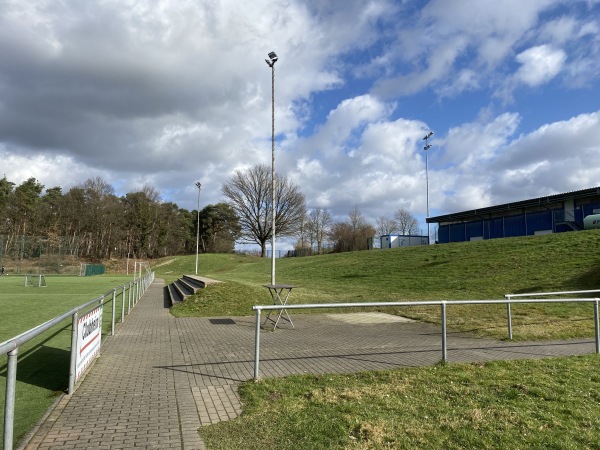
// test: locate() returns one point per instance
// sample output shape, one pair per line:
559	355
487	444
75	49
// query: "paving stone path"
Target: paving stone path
159	379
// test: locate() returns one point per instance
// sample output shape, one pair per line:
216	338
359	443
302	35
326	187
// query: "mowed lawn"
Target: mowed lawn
459	271
548	404
43	370
544	404
525	404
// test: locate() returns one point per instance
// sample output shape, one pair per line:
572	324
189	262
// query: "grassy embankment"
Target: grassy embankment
554	403
475	270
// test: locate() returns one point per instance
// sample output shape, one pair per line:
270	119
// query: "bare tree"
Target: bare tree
406	223
319	227
386	226
249	194
356	234
304	244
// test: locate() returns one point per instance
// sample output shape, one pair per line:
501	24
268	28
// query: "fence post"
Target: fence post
597	326
444	343
509	318
112	319
123	305
72	366
9	404
257	345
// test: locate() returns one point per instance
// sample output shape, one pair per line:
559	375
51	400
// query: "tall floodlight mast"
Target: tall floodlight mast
271	63
427	147
198	185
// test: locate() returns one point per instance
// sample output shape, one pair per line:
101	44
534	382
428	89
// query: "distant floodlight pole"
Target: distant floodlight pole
271	63
427	147
198	185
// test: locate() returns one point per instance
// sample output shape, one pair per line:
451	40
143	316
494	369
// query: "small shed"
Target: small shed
402	240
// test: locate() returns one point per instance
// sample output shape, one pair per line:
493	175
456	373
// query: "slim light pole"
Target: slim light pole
427	147
198	185
271	63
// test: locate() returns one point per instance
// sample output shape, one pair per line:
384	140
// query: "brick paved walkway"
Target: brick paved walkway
160	378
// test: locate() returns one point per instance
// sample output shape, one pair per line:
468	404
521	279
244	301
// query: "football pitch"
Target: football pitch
43	369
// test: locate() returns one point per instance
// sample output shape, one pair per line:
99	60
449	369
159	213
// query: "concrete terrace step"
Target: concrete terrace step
185	286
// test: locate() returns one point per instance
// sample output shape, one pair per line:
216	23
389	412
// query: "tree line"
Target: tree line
101	225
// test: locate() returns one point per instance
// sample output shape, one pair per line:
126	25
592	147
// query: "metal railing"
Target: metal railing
544	294
130	293
443	304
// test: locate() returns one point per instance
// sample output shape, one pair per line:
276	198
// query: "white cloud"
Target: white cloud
539	64
456	38
557	157
343	121
471	144
495	169
360	156
165	87
169	93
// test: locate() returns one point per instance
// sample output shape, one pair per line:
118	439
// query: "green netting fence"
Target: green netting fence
88	270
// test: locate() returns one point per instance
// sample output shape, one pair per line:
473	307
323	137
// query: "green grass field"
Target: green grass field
471	270
43	369
453	406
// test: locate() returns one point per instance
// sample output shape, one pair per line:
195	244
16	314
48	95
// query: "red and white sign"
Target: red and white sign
89	335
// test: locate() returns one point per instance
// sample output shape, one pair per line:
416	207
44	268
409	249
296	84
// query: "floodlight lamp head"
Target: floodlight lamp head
272	59
198	184
427	147
428	135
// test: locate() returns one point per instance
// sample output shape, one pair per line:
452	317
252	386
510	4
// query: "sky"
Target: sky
165	93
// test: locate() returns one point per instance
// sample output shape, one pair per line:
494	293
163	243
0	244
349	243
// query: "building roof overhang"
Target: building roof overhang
514	206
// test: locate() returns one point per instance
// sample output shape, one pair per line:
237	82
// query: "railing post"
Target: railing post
73	364
9	404
112	319
125	288
257	345
444	343
509	318
123	305
597	326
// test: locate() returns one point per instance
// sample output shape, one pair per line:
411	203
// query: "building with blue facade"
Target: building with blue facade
552	214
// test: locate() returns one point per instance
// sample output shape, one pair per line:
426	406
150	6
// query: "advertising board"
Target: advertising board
89	335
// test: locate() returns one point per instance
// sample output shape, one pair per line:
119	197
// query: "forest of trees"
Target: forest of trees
101	225
92	222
